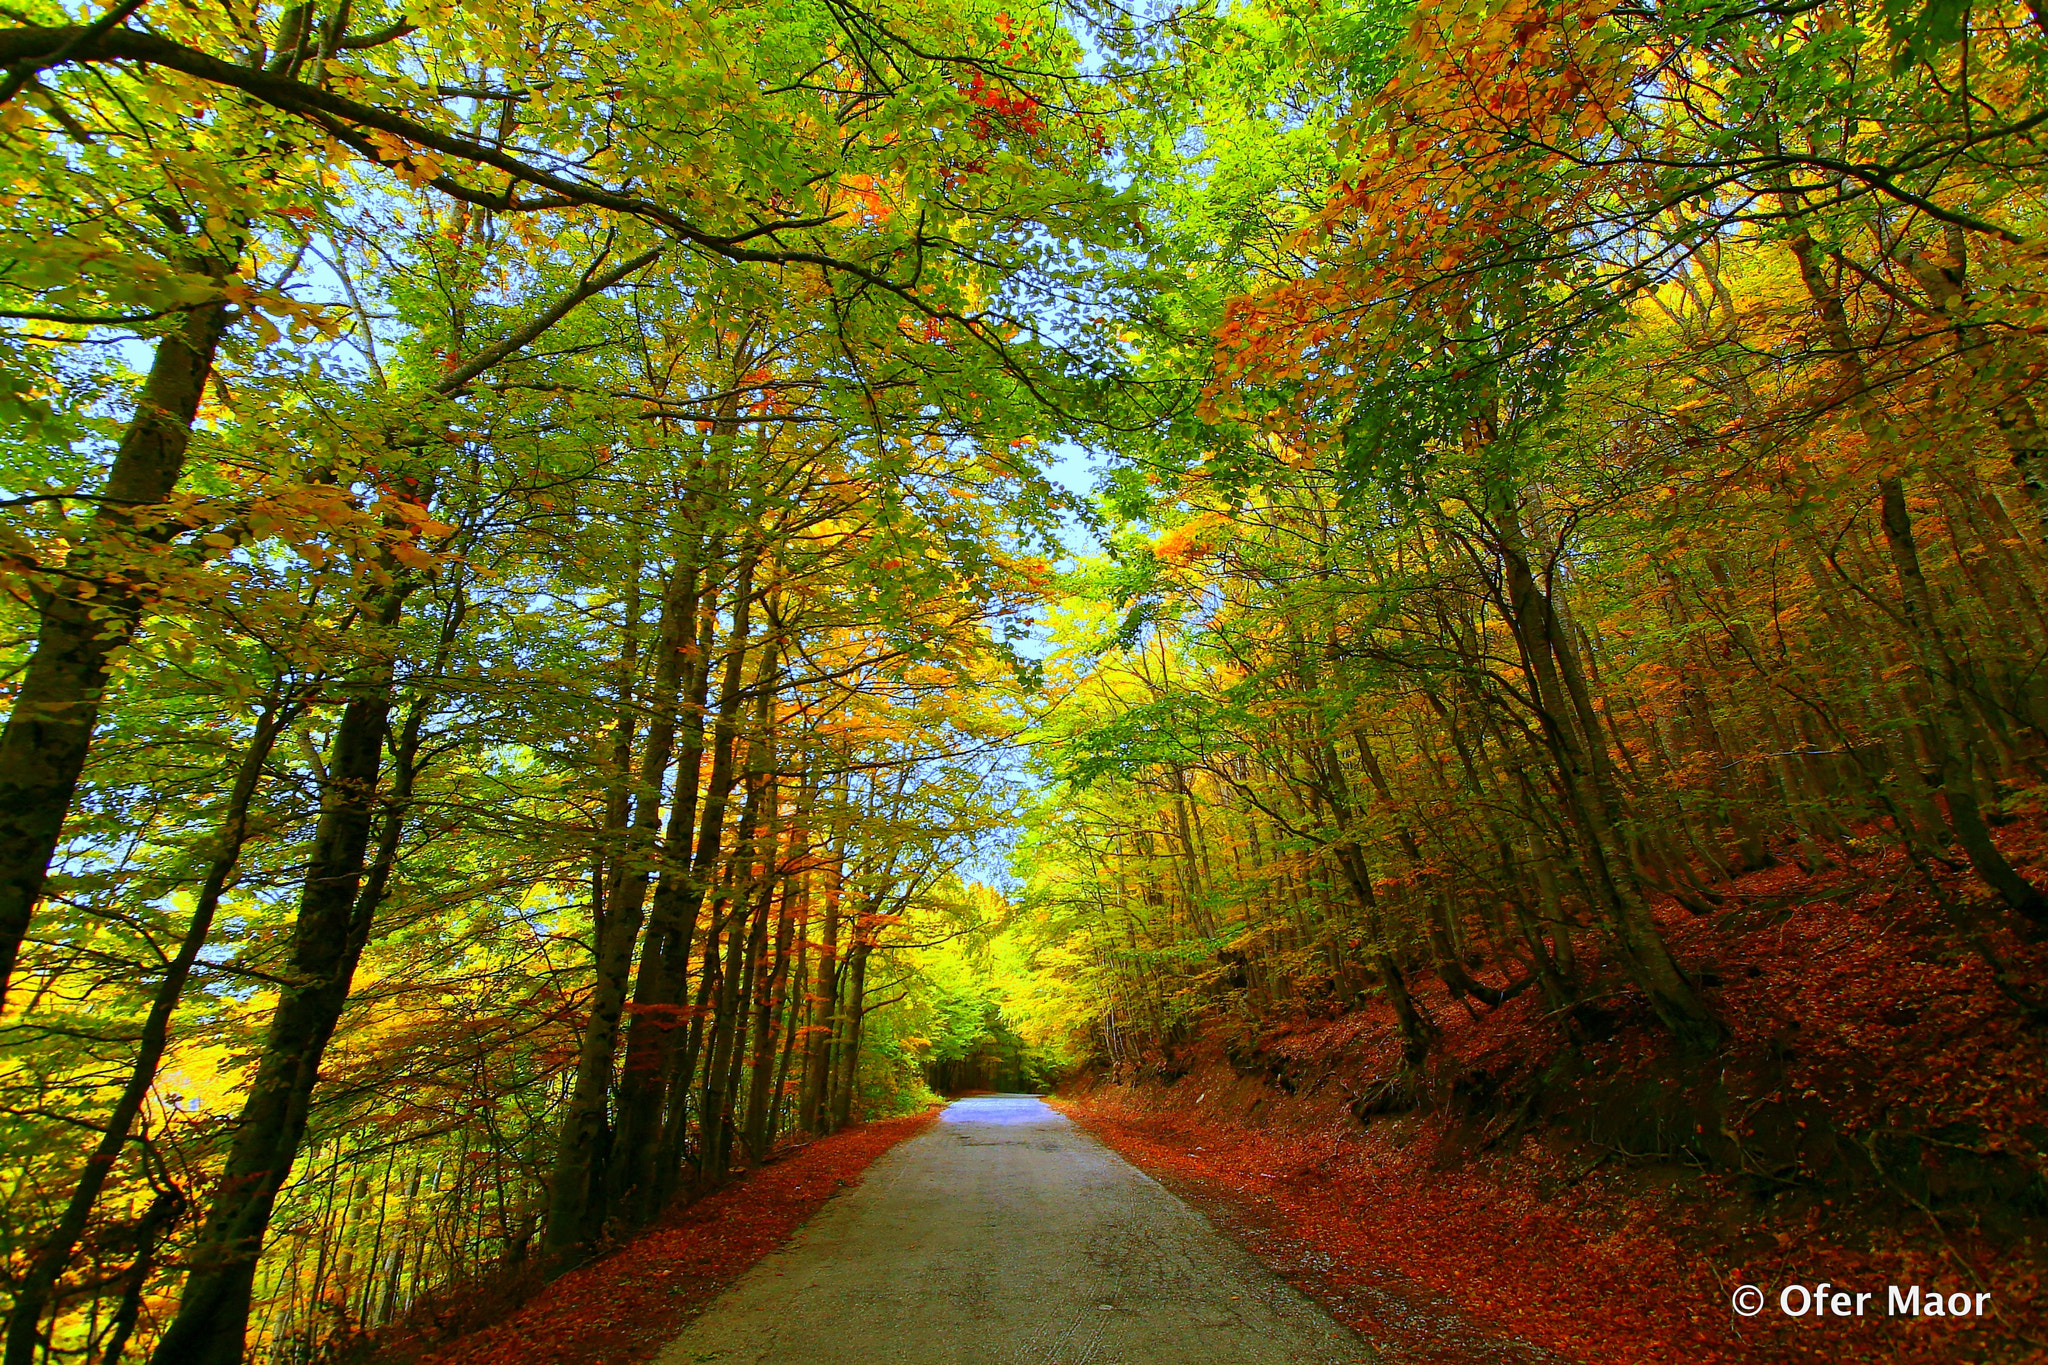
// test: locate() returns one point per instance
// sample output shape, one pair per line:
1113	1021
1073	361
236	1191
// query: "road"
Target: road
1004	1235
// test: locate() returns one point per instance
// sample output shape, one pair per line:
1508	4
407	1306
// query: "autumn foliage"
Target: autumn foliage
534	589
518	523
1569	697
1517	1209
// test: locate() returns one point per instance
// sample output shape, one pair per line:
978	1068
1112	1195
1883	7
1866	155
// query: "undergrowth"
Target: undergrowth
1568	1180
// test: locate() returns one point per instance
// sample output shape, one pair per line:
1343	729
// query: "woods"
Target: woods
1596	498
510	519
546	578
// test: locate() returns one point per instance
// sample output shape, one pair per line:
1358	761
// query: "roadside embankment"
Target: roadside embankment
623	1307
1560	1188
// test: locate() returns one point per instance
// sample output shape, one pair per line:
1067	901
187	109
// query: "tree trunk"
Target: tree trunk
728	1020
93	613
846	1061
164	1211
53	1255
682	1079
772	985
824	995
1591	804
797	1011
576	1207
609	856
1450	967
664	961
687	889
2026	444
1946	723
336	908
742	1022
1418	1032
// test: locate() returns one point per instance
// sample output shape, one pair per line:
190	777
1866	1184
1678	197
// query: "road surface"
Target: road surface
1004	1235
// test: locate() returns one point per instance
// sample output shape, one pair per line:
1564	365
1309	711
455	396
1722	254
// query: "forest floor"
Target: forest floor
622	1308
1572	1194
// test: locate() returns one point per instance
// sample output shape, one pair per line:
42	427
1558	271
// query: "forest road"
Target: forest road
1004	1235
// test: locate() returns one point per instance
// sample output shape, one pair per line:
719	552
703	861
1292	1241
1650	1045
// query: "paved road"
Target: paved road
1004	1235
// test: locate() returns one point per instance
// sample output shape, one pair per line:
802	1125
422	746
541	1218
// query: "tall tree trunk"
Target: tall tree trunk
337	906
53	1255
680	1073
2004	394
1418	1032
1591	803
576	1206
1450	967
93	613
608	858
1330	790
798	1010
163	1212
772	984
729	1021
1558	990
825	988
1950	735
652	1038
846	1060
670	1162
1191	868
743	1020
